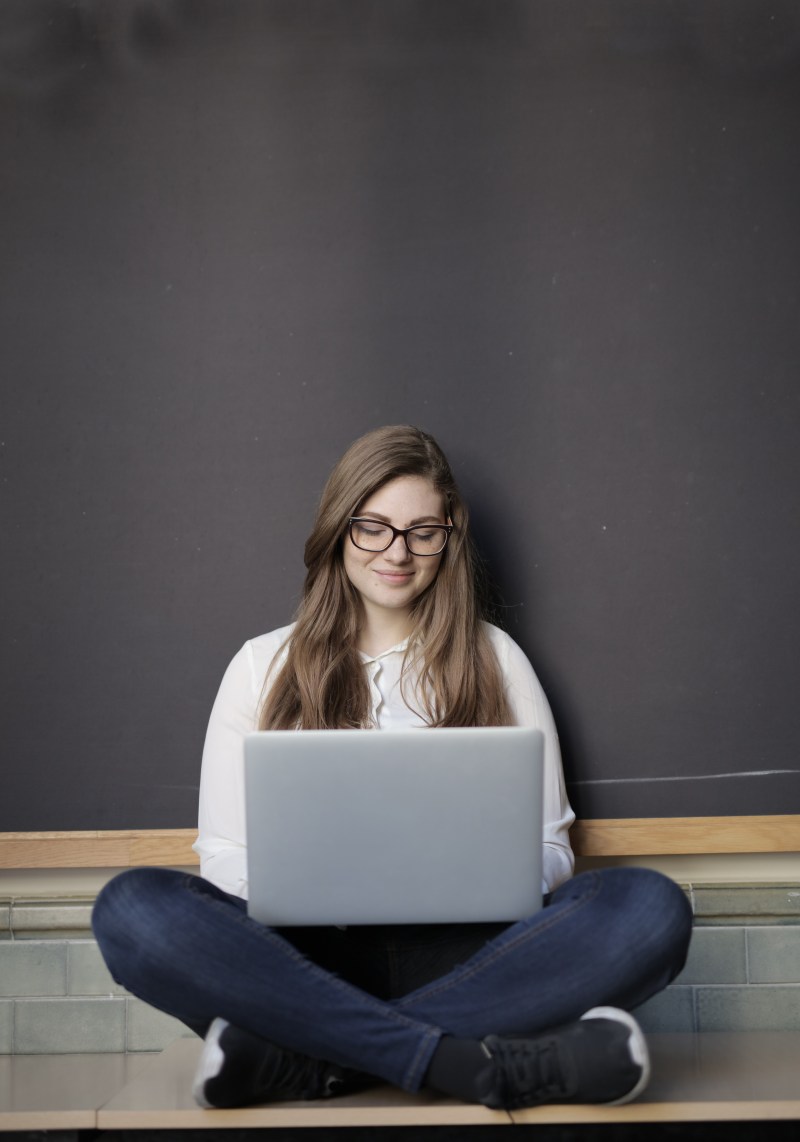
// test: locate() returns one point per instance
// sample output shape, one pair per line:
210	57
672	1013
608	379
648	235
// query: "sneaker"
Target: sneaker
602	1058
237	1068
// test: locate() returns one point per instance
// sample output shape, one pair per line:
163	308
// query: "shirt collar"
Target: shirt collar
399	648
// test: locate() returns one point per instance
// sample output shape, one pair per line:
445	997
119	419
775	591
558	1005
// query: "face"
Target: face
393	579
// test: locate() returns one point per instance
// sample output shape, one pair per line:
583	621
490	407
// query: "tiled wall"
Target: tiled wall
56	995
743	970
55	992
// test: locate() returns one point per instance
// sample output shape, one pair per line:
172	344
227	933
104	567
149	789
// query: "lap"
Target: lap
389	961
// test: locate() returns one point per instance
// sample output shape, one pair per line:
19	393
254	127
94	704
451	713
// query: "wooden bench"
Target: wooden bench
712	1077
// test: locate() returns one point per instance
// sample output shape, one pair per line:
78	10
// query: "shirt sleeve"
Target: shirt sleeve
530	707
221	841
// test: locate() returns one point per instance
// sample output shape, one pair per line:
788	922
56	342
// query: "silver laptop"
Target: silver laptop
394	827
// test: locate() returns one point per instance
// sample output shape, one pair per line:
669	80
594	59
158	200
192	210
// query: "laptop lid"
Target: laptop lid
391	827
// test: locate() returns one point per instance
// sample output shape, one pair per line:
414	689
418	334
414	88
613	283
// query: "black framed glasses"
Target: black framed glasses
422	539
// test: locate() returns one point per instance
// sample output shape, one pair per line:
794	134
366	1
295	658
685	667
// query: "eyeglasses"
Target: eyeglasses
422	539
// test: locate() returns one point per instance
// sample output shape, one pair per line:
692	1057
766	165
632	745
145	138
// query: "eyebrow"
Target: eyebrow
385	519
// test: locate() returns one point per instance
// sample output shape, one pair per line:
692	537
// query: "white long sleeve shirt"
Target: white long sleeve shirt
221	842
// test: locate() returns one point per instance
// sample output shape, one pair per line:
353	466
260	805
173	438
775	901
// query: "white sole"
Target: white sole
211	1059
637	1044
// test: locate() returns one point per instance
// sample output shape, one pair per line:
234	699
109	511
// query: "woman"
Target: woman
389	633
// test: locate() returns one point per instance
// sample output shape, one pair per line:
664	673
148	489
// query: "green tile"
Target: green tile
87	973
774	954
64	1026
38	919
6	1026
746	904
764	1008
152	1030
32	967
716	955
5	920
670	1010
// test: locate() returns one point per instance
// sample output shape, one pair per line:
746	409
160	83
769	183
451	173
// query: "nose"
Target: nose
397	551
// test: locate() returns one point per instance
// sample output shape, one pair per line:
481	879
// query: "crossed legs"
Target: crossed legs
612	937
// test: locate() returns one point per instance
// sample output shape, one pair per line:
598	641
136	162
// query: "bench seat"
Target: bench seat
713	1076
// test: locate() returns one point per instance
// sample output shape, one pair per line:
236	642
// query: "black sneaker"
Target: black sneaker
237	1068
602	1058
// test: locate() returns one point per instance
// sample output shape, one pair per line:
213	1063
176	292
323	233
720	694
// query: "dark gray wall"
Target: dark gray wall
561	236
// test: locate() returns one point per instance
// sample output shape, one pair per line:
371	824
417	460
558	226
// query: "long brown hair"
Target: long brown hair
322	683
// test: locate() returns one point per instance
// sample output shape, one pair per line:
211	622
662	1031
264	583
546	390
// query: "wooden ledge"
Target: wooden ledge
125	848
669	836
61	1092
636	836
712	1077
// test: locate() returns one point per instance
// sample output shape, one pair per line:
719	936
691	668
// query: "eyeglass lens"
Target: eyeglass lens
370	535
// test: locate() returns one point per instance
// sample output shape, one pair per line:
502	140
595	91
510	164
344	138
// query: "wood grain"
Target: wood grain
126	848
637	836
661	836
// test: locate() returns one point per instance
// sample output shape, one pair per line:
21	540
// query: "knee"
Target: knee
126	895
130	911
662	912
663	897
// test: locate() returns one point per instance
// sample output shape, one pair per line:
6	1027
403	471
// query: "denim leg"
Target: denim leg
190	950
611	937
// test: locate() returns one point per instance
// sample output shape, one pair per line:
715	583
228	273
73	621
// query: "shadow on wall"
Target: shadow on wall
48	45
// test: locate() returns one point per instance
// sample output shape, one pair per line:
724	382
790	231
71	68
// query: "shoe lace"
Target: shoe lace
533	1069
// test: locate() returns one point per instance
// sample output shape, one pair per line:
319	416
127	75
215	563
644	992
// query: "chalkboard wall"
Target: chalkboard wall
563	237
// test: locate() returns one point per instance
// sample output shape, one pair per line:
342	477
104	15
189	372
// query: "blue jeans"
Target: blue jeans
378	1000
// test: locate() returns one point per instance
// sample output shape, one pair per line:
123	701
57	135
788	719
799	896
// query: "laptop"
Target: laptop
407	826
